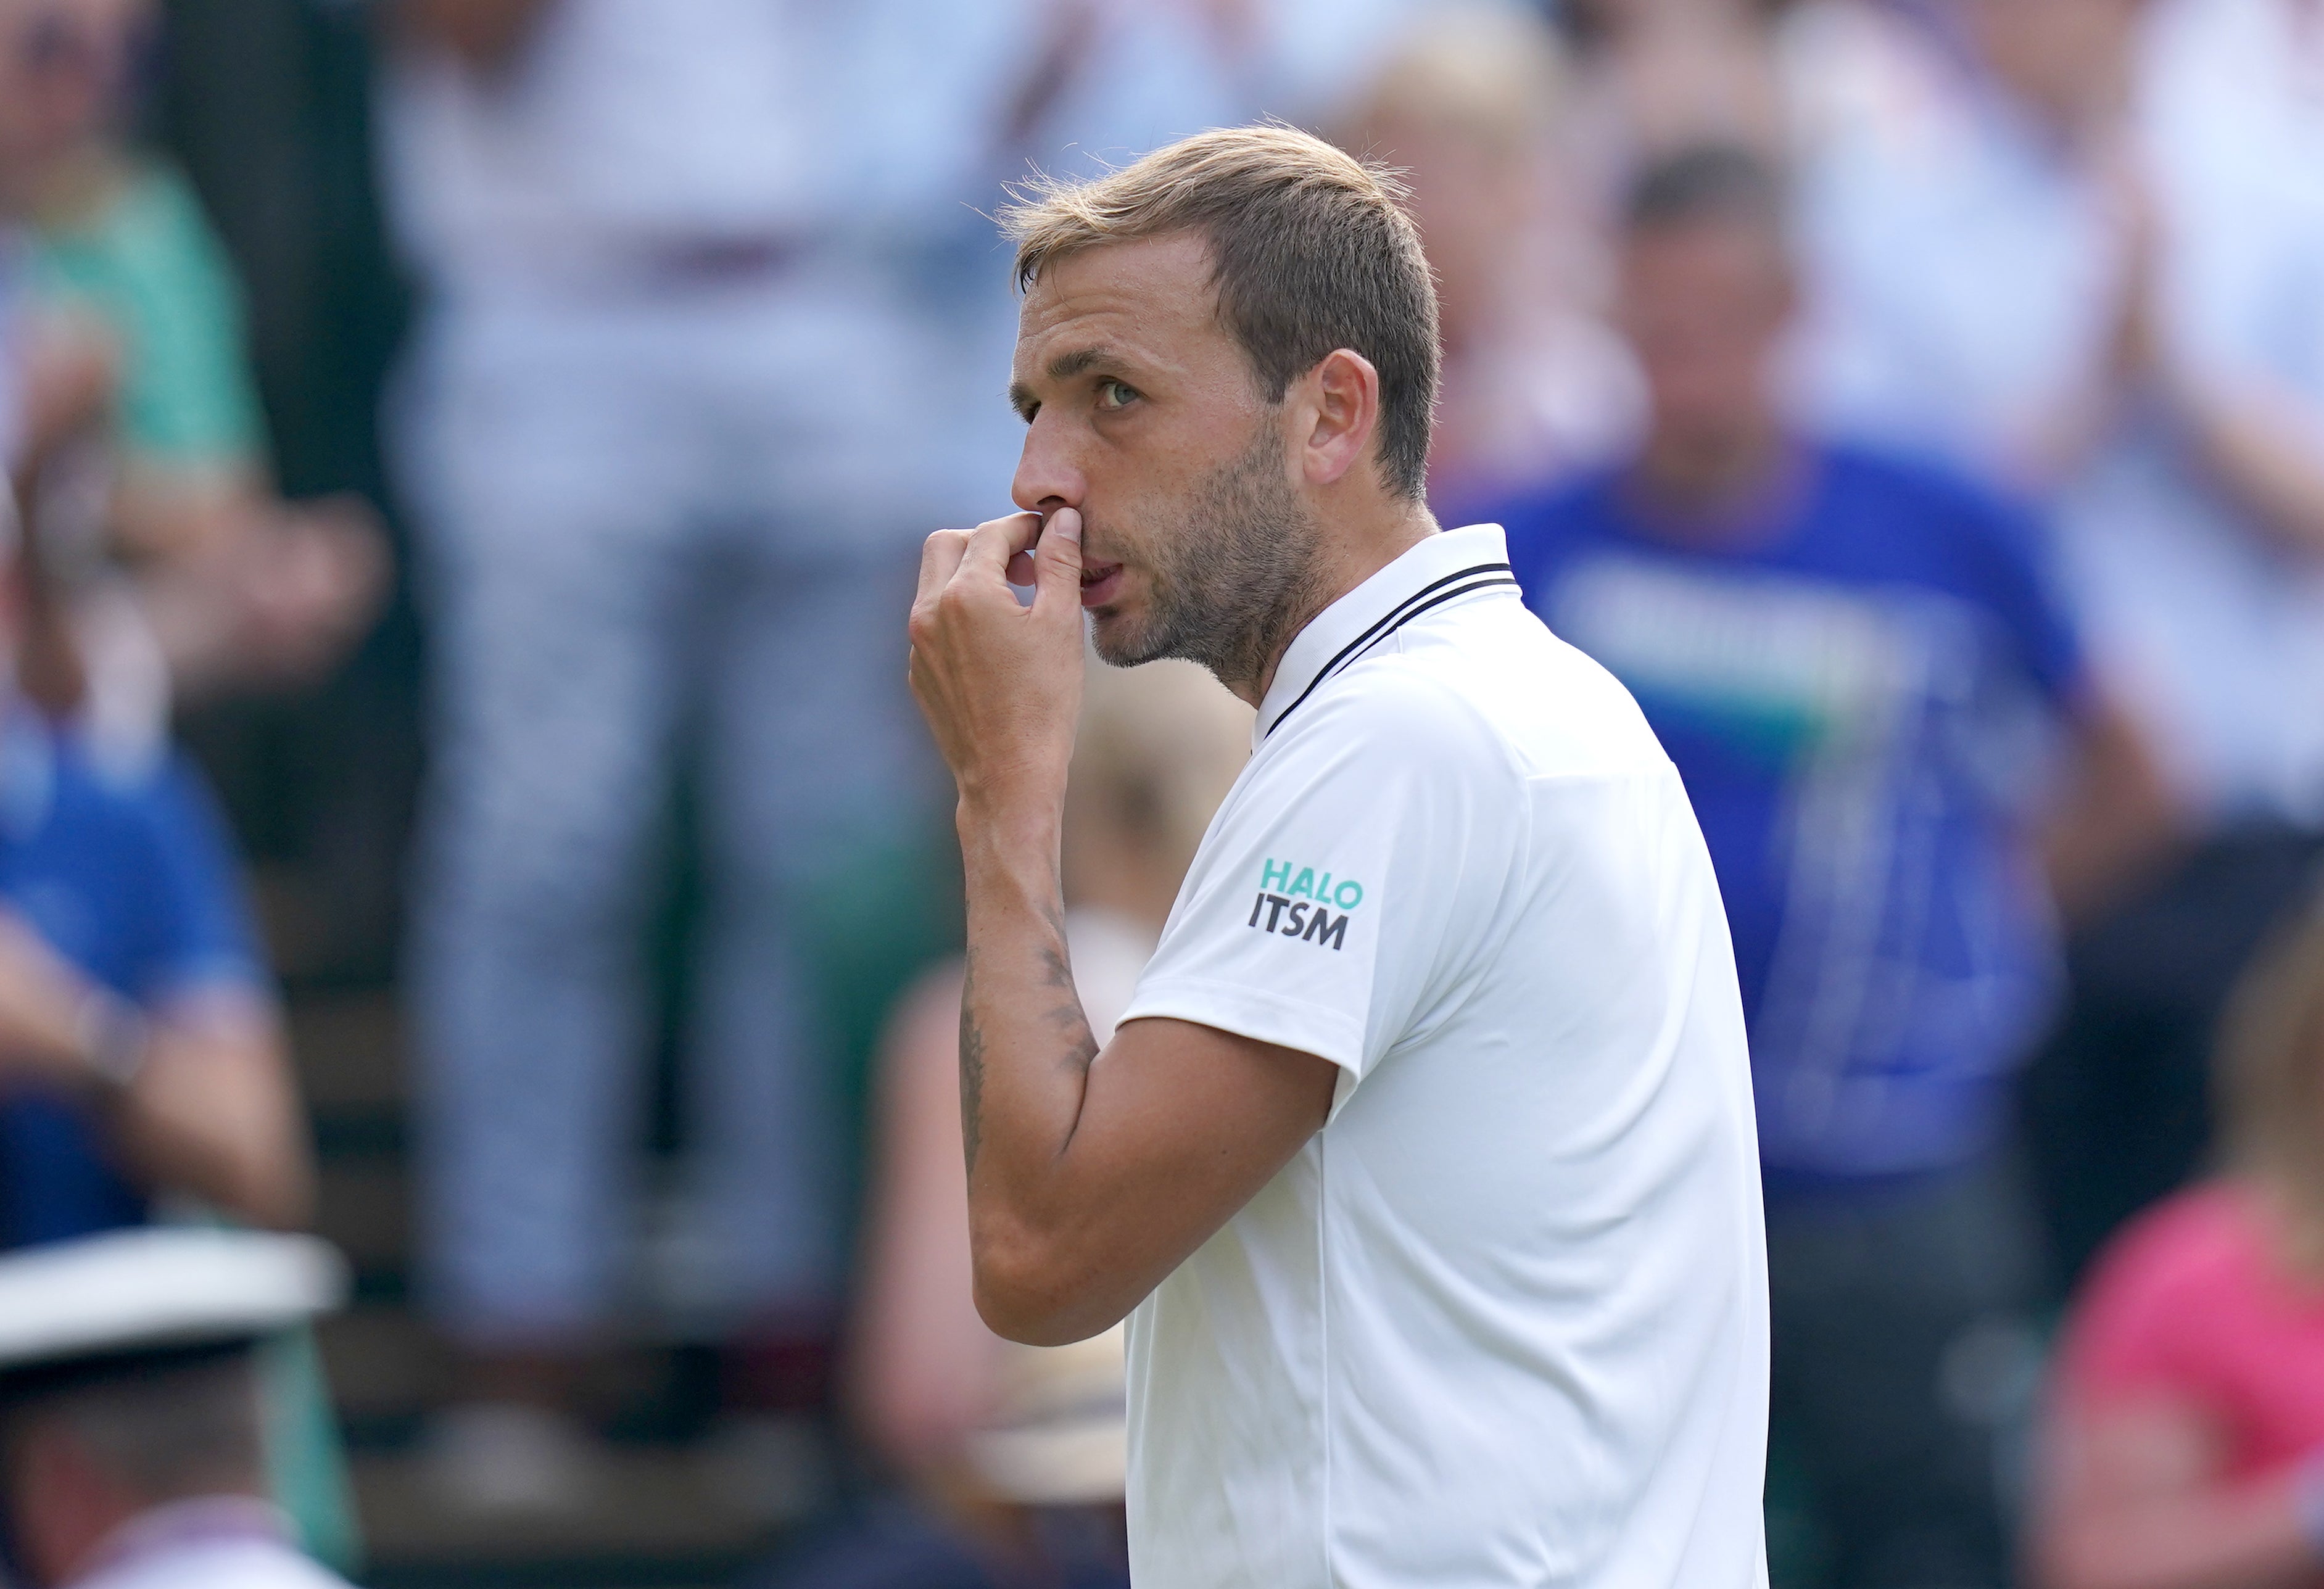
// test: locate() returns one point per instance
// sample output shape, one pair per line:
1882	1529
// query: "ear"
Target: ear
1338	414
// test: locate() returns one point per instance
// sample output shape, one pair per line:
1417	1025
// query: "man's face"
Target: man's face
1706	304
1143	413
62	64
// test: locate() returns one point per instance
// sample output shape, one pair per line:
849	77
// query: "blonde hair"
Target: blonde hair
1312	251
1159	747
2269	1077
1493	74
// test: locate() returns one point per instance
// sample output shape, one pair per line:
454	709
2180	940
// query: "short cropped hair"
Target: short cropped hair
1719	182
1312	251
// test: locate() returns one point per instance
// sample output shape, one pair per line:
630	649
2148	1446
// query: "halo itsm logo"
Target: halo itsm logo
1294	900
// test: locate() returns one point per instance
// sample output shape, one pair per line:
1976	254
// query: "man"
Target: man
1422	1152
1855	661
132	1451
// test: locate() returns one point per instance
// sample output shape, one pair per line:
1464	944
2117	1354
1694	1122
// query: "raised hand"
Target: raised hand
999	682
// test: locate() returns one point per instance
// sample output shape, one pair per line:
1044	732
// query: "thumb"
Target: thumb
1058	561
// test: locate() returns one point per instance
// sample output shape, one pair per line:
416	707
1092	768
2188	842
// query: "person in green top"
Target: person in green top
184	571
133	249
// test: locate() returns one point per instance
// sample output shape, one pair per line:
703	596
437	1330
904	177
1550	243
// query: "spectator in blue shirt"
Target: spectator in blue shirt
1860	668
141	1053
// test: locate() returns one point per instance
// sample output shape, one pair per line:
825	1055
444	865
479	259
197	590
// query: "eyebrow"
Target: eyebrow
1063	367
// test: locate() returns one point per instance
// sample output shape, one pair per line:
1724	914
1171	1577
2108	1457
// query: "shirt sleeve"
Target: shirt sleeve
1351	875
201	936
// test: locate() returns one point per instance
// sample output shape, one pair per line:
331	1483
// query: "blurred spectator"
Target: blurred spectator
1473	108
140	1054
677	417
132	1429
54	380
1659	74
143	465
1859	665
2187	1449
1014	1455
2093	258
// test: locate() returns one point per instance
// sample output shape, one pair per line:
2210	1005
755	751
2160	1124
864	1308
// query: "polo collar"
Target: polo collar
1445	565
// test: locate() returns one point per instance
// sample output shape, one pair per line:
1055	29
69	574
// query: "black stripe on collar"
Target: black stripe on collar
1404	611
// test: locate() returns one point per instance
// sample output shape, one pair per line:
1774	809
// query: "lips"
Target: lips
1101	583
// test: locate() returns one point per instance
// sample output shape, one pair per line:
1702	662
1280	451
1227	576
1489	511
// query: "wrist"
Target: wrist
990	818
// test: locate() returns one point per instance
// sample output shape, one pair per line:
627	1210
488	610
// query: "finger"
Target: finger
997	540
1057	563
1020	569
939	557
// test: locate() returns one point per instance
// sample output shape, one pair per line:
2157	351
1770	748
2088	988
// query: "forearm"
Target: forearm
2114	821
1026	1048
2262	450
2247	1538
213	1113
1090	1176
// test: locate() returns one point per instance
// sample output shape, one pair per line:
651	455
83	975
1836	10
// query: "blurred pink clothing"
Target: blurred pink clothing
2191	1306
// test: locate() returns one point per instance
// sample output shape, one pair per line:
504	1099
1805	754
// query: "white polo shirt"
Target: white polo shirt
1504	1320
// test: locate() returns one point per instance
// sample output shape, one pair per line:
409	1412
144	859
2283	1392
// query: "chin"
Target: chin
1121	640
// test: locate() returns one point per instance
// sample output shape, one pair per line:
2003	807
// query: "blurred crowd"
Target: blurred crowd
1919	404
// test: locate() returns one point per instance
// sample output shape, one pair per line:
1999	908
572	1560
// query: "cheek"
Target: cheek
1134	474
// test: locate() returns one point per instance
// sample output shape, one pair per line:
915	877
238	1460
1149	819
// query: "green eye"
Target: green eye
1113	394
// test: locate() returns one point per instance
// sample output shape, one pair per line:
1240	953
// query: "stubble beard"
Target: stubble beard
1233	580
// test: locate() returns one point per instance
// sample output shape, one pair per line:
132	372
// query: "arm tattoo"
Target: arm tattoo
972	1064
1065	1016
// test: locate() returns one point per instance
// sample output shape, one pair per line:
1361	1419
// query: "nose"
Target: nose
1048	476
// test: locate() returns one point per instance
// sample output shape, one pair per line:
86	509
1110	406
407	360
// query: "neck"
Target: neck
1369	539
1713	470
